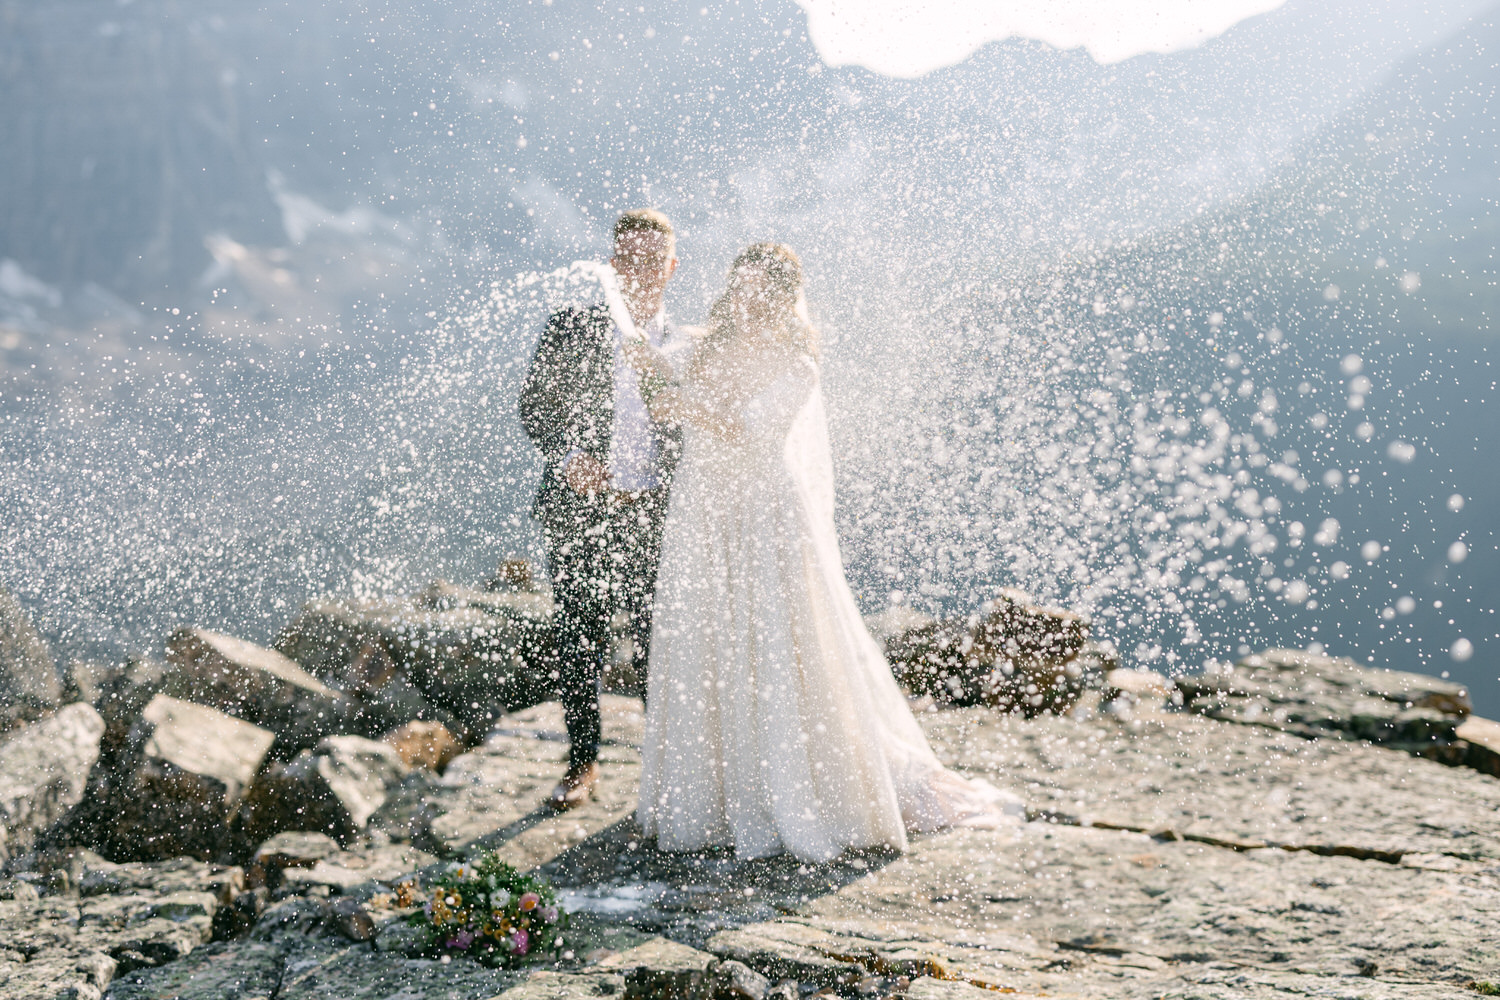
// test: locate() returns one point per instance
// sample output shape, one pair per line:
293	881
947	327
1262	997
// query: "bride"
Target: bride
773	721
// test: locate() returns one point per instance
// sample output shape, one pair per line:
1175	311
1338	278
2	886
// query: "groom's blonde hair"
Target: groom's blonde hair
646	220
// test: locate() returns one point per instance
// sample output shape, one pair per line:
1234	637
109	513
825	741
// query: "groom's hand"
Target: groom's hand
586	474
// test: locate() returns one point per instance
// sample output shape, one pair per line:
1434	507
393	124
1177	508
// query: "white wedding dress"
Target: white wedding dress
773	721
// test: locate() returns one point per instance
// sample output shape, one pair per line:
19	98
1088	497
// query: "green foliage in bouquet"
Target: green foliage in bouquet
486	909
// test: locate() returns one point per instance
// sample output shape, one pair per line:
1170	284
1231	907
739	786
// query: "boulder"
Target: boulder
1010	653
1315	695
332	789
43	770
256	684
172	788
29	685
422	744
470	655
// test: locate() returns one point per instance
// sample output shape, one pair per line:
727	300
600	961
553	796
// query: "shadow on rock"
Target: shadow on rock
617	875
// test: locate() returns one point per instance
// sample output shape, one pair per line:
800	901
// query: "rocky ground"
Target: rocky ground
1171	856
1294	826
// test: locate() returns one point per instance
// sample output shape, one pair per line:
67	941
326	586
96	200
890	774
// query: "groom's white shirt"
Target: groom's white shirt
633	444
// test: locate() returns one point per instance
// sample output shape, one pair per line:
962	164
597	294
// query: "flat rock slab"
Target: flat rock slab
1240	785
1059	903
43	770
493	797
358	973
547	985
348	871
249	970
661	969
99	936
1172	855
1315	695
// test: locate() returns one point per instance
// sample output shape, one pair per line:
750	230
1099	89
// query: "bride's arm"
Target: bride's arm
677	405
766	415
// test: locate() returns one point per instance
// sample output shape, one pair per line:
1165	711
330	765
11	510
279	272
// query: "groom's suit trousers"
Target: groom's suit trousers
602	554
605	568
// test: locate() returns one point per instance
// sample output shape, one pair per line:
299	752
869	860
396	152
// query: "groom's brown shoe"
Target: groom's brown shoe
576	788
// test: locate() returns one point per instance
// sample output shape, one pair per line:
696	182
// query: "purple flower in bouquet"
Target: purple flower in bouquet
462	940
521	940
549	915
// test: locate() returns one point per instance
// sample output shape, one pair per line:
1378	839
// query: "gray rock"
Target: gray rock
86	680
295	917
928	988
737	981
29	686
171	791
1481	738
354	871
293	849
788	951
1010	653
97	877
1313	695
249	970
147	930
470	655
547	985
334	789
43	771
347	917
401	938
422	744
660	969
358	973
256	684
123	694
52	976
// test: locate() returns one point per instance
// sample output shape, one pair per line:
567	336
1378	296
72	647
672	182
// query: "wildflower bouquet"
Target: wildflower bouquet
486	909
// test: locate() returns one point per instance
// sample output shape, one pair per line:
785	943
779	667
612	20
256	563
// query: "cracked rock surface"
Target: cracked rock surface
1169	855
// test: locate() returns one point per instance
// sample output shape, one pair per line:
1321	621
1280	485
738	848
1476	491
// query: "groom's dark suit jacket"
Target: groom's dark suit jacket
568	402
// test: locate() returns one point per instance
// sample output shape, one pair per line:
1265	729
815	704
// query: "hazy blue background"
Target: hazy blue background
1172	339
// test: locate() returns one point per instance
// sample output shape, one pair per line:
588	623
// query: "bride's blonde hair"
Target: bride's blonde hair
783	270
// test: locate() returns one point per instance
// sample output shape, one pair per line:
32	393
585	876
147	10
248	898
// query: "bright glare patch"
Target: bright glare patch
906	38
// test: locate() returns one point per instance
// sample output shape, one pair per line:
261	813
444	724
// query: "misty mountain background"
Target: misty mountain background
1173	339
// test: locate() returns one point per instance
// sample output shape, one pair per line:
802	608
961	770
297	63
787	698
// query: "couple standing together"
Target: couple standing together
689	485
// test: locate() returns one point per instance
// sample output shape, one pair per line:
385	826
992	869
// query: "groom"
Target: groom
603	496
